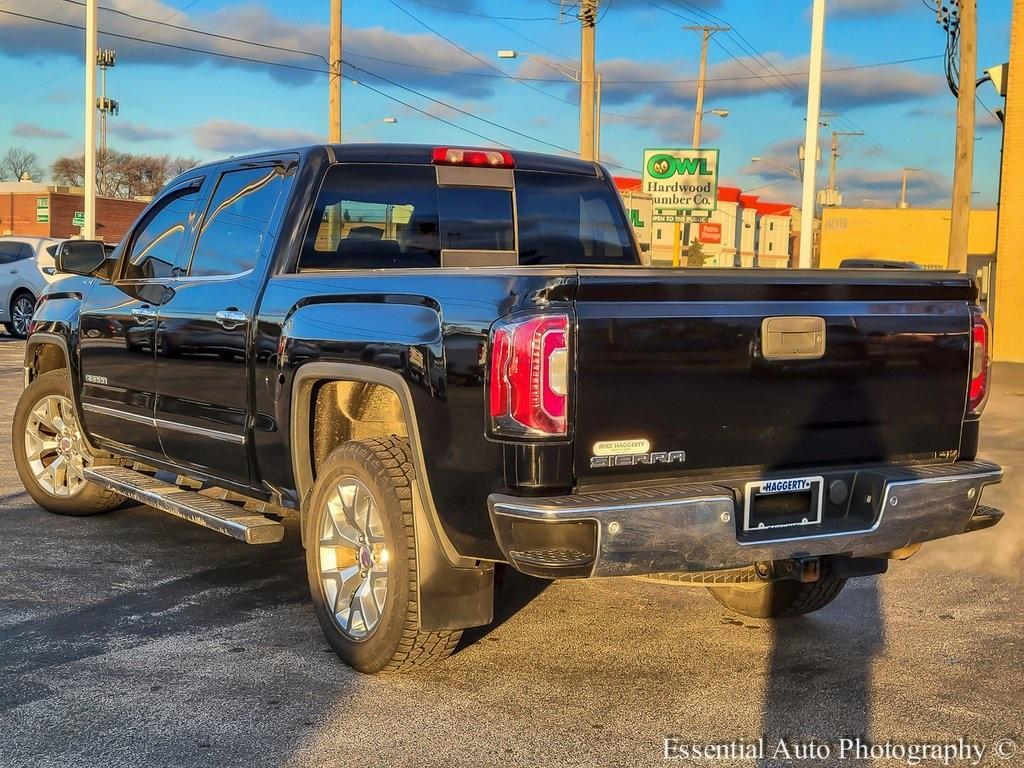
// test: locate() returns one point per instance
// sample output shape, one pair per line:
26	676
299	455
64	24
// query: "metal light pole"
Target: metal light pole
903	188
811	136
91	29
334	80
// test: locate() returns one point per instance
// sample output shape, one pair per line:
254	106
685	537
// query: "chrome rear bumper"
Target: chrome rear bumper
693	527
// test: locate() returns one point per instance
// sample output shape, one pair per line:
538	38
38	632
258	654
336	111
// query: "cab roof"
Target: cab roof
421	153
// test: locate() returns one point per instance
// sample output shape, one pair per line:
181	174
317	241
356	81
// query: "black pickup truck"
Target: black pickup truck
444	359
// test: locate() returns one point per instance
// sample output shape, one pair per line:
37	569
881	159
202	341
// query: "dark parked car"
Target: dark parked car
445	359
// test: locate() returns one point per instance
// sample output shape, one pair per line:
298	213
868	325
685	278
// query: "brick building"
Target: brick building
37	210
1008	315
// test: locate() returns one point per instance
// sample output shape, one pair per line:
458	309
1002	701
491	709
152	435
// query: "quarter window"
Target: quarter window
236	222
154	248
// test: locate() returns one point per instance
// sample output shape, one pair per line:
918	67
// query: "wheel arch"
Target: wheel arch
454	592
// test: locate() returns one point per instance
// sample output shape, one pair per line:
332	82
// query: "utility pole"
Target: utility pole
811	135
334	80
903	189
698	115
588	22
682	239
963	162
91	29
835	155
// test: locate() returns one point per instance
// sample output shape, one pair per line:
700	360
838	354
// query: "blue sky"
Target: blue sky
181	102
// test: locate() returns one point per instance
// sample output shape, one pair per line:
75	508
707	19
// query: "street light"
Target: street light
574	72
717	112
781	166
390	120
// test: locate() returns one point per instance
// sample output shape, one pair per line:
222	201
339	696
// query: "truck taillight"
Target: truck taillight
481	158
977	390
529	377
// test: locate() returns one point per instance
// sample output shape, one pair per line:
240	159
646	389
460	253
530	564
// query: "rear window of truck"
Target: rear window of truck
373	216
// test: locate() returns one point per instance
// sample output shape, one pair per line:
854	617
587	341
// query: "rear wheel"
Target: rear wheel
780	599
361	559
22	307
50	452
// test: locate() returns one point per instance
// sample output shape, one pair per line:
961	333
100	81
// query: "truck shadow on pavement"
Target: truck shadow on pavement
810	658
811	662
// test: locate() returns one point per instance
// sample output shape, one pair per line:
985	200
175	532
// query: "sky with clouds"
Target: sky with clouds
258	80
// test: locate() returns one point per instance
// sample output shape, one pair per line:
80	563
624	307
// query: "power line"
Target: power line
203	32
324	71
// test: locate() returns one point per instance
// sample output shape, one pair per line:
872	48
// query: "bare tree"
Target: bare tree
68	171
122	174
180	164
18	161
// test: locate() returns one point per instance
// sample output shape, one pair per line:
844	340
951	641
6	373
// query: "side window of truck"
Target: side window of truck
235	224
374	216
153	250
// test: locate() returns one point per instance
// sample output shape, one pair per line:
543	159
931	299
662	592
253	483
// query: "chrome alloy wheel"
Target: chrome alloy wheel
56	451
21	314
353	559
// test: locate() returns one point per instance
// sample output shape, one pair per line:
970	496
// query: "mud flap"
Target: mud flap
449	597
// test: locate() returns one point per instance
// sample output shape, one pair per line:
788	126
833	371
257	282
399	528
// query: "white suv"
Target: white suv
26	267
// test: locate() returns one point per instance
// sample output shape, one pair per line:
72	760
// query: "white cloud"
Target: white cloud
852	8
629	80
130	131
420	61
34	131
670	123
227	136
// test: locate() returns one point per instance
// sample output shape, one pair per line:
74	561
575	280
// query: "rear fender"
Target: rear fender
453	592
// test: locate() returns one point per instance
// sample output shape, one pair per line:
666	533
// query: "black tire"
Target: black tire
396	644
780	599
88	498
12	327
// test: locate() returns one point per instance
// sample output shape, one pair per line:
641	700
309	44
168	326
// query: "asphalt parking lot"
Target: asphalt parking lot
136	639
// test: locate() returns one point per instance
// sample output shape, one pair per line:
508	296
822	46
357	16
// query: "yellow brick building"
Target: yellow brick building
920	235
1009	306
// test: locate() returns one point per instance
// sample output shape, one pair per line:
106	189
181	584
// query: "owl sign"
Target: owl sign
681	182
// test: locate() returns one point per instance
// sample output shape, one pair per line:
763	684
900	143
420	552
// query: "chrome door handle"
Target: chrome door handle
144	314
231	318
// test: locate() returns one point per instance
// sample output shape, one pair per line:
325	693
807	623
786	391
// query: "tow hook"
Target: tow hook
807	569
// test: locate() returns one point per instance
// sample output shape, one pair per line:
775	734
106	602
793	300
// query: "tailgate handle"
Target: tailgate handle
793	338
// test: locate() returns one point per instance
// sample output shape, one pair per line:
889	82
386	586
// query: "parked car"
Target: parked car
443	359
857	263
26	268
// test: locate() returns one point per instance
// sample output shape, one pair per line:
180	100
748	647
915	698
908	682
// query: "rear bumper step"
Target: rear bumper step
220	516
696	527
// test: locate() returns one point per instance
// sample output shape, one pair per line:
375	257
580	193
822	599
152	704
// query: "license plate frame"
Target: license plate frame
813	486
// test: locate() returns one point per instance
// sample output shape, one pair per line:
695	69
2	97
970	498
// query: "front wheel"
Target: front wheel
50	452
780	599
361	559
21	315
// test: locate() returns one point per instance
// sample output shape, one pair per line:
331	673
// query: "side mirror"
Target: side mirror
81	257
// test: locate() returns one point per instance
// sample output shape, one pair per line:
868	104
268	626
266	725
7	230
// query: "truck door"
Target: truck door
202	338
118	324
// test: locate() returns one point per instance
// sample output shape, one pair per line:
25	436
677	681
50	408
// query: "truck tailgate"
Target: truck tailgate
675	361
